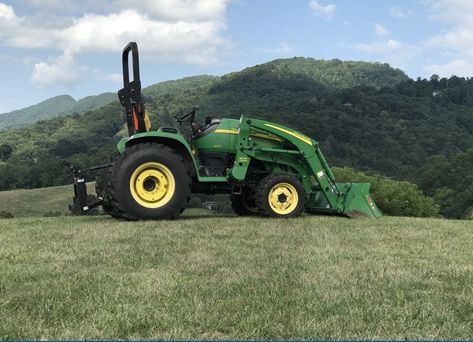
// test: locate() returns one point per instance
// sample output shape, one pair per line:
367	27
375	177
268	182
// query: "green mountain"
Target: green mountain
376	120
333	74
62	105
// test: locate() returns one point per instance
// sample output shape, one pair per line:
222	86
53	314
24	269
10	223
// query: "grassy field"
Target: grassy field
236	278
38	202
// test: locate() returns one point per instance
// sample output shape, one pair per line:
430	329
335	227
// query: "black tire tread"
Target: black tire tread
102	188
236	201
261	196
112	205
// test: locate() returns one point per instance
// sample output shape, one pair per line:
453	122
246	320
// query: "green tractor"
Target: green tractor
266	168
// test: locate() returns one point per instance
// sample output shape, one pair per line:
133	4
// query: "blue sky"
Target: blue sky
52	47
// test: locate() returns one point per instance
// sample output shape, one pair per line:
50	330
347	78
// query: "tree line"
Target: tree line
420	131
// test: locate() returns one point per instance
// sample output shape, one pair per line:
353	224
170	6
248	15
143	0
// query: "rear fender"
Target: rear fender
173	140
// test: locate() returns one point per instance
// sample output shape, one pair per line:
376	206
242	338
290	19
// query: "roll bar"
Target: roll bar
133	48
130	94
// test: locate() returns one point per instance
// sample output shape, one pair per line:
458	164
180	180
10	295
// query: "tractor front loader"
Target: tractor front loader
266	168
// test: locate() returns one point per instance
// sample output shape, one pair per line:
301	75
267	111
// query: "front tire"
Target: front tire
280	196
244	204
150	181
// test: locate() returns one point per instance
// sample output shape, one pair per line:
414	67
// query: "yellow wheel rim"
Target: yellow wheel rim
152	185
283	198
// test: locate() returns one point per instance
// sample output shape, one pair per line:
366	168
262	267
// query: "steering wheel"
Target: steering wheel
190	117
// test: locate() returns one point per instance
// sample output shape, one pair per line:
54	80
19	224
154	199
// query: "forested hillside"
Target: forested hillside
366	116
62	105
333	74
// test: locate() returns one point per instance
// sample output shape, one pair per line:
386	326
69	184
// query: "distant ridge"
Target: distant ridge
57	106
333	74
328	75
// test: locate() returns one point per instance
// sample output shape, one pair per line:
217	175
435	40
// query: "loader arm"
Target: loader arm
307	149
351	199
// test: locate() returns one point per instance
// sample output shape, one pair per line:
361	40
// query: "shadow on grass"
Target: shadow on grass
204	216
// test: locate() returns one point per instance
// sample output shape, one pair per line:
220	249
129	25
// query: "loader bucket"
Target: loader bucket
358	201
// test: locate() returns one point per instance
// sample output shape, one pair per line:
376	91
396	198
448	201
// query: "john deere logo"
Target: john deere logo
295	134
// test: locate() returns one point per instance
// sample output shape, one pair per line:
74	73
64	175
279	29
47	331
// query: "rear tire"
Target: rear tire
280	196
148	181
102	185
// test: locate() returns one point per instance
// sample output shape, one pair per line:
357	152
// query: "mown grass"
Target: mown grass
206	277
38	202
52	201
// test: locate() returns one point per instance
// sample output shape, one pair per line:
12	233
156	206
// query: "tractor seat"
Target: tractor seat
209	126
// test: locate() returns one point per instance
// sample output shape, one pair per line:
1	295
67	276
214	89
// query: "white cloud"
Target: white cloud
451	11
456	41
61	71
380	47
380	30
116	78
459	37
454	67
158	9
392	51
176	31
281	49
447	53
327	11
6	12
178	9
401	13
180	41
